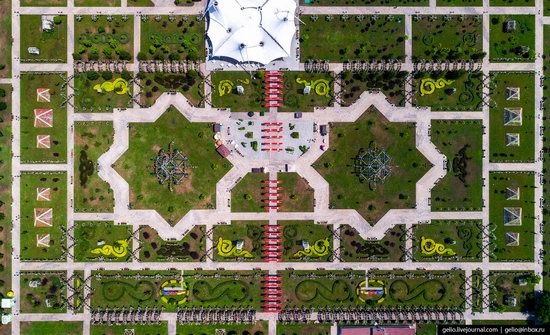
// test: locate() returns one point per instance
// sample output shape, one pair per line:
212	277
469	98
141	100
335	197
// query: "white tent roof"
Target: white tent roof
251	30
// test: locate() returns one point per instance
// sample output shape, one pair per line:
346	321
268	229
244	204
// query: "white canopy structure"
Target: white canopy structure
251	30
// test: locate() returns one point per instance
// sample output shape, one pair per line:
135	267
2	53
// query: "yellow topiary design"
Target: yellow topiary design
320	86
225	87
181	295
429	247
428	85
320	248
119	86
227	249
120	250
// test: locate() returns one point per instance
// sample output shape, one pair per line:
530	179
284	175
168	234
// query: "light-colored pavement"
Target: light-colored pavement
422	214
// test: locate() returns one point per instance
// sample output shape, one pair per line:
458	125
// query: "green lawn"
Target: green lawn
57	153
321	288
191	248
477	291
140	3
318	236
382	37
103	39
91	193
403	288
246	196
455	3
5	39
259	328
5	190
388	249
505	283
498	149
391	83
52	44
426	328
94	94
346	142
247	232
48	296
366	2
191	85
78	284
294	99
57	183
207	289
155	329
296	195
462	91
179	39
498	200
44	3
516	3
47	327
197	191
303	329
97	3
462	237
515	45
439	288
102	242
461	143
224	91
448	38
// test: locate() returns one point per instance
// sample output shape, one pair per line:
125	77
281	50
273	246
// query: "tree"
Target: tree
92	75
107	75
94	53
541	307
141	55
58	20
126	75
2	93
108	52
3	106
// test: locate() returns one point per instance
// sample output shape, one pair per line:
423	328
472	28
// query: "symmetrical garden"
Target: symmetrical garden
397	165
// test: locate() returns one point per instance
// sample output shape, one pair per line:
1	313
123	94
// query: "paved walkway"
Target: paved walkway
322	214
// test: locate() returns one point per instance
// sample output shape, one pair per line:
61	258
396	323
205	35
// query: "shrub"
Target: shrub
141	55
107	75
92	75
2	93
126	75
108	52
87	43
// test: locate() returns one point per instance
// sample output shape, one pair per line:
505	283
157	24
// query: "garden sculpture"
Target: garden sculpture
226	86
227	249
320	86
319	249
